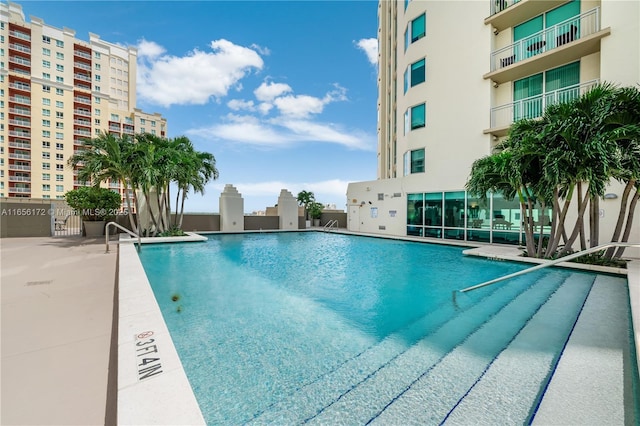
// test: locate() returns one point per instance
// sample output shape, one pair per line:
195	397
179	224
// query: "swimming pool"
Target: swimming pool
313	327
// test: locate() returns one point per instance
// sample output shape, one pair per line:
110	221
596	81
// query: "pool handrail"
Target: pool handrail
545	265
330	224
106	235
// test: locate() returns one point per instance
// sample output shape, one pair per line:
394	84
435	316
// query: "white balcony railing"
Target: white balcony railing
20	35
550	38
534	106
81	54
20	145
20	134
19	167
20	86
500	5
19	189
84	112
82	122
19	60
82	100
81	77
20	111
82	66
20	47
23	123
81	132
20	100
20	156
19	178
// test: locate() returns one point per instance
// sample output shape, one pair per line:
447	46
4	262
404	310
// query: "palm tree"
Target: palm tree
108	157
305	198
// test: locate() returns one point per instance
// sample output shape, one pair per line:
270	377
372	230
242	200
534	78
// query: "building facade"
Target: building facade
453	76
55	91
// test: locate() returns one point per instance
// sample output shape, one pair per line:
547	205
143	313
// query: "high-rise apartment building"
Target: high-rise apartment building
56	90
453	76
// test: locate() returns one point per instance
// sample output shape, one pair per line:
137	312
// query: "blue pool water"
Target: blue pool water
290	328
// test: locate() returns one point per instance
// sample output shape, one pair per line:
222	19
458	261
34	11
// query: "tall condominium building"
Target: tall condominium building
56	90
453	76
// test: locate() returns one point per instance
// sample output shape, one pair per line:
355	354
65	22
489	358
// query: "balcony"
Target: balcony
19	167
20	145
565	42
13	178
20	35
19	189
20	134
20	47
82	54
81	132
20	86
20	100
114	127
22	123
82	66
19	156
82	100
82	77
507	13
84	112
20	111
533	107
20	61
86	123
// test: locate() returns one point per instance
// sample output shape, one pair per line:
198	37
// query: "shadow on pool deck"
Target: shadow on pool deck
56	322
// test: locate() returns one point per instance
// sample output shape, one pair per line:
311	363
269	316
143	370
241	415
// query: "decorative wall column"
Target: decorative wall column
288	210
231	210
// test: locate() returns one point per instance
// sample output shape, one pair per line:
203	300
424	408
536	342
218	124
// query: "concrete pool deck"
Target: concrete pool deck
55	360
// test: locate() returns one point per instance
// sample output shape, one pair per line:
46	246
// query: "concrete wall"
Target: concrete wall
25	219
256	223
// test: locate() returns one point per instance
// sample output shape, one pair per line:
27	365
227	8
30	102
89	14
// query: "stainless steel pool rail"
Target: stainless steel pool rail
331	224
542	265
106	235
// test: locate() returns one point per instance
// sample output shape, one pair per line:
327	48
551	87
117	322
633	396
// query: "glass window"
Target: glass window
46	76
46	89
59	79
59	92
60	167
454	209
417	161
415	214
433	209
46	64
59	43
46	187
59	55
59	188
418	116
46	112
46	166
46	39
46	176
46	123
418	74
46	155
418	28
59	104
59	67
46	52
59	178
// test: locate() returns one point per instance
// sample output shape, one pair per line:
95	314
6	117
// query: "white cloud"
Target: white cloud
267	92
370	47
194	78
299	105
324	191
239	104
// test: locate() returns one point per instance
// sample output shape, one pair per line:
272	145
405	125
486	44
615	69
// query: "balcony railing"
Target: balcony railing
82	66
82	122
550	38
19	189
81	54
20	86
20	35
81	132
20	47
20	100
498	6
20	145
23	123
84	112
534	106
81	77
82	100
19	167
19	60
19	178
20	111
20	156
20	71
20	134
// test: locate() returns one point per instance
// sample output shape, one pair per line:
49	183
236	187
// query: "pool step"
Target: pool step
427	395
442	330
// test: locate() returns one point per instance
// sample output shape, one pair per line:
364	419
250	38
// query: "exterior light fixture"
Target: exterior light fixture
610	196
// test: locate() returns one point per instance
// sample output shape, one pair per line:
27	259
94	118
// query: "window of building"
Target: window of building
153	123
46	123
98	67
413	161
96	121
59	178
143	121
46	52
46	112
46	134
59	104
59	67
59	43
59	157
59	55
59	114
46	64
414	74
59	91
46	187
59	79
96	111
46	155
59	188
59	125
59	167
415	30
46	144
59	135
414	118
46	176
97	100
97	88
46	166
46	76
46	101
97	55
98	78
46	89
46	39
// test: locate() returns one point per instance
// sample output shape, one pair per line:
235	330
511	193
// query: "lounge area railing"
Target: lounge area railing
534	106
550	38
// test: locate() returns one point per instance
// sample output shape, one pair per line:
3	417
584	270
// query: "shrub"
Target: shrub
93	203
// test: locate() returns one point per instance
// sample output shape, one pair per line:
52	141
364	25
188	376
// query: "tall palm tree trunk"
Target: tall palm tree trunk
621	216
628	227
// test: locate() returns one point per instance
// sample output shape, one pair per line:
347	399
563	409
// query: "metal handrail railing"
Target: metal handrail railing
544	265
106	233
330	224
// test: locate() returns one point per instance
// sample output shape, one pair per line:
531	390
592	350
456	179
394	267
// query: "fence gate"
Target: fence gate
66	222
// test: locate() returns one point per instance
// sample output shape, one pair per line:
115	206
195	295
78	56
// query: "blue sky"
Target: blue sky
282	93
